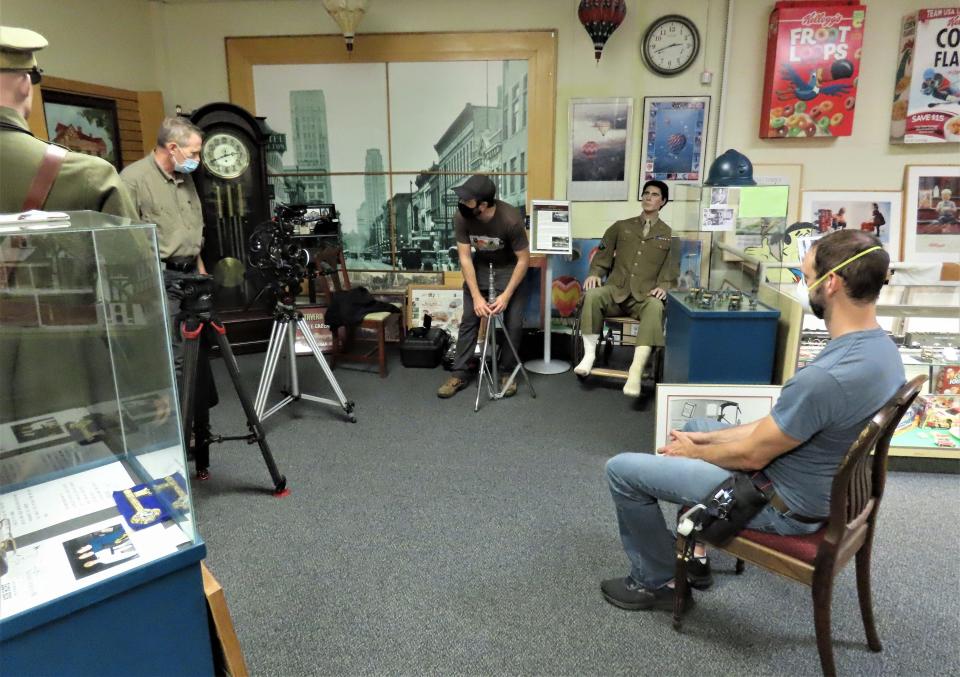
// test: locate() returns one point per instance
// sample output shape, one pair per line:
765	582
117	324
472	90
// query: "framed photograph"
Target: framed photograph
679	403
84	124
600	133
392	280
877	212
443	304
931	217
674	139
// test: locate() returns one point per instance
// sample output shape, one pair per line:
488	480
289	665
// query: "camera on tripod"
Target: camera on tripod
197	292
284	251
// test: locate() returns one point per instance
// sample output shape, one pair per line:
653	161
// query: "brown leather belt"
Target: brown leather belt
44	178
782	508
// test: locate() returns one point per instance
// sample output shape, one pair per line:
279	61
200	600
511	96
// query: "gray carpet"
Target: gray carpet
426	539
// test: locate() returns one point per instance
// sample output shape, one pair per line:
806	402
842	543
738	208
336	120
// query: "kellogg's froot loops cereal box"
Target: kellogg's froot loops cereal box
926	93
813	66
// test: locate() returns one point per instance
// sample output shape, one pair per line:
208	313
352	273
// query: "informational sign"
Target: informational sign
550	229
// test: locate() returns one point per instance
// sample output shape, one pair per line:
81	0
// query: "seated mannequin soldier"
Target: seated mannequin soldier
635	256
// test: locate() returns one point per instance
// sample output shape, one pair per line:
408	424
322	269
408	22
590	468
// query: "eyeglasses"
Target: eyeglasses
35	73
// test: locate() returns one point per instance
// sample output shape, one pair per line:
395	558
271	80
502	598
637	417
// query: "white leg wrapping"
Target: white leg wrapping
589	354
640	355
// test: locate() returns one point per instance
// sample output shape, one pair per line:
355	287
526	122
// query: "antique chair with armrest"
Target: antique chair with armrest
816	559
332	277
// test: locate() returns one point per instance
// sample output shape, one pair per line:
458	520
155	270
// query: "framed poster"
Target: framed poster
84	124
600	133
314	315
679	403
877	212
443	304
674	139
550	227
932	219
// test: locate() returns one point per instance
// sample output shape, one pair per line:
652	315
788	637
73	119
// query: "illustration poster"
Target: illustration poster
674	139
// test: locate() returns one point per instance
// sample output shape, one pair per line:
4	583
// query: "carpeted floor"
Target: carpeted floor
427	539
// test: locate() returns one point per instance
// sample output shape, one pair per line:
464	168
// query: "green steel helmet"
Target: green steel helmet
731	169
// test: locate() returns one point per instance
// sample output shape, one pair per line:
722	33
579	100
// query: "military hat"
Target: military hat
17	47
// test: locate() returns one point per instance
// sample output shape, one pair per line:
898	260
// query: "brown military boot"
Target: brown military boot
453	385
512	390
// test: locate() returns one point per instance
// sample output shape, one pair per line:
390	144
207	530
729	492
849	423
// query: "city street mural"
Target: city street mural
447	120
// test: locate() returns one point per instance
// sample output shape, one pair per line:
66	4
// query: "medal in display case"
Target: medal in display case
96	517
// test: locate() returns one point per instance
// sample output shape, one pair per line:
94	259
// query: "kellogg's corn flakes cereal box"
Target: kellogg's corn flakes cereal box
926	95
813	67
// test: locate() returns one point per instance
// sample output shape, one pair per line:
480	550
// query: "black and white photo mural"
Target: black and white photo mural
386	142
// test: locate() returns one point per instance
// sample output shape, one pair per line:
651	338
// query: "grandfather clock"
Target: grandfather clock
233	188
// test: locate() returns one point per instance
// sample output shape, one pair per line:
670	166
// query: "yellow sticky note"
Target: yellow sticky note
763	201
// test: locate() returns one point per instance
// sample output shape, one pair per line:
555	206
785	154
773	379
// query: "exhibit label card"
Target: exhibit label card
550	229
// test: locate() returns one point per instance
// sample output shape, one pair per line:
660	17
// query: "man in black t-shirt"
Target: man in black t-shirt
487	231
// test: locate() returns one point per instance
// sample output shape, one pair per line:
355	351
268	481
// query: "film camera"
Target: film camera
284	251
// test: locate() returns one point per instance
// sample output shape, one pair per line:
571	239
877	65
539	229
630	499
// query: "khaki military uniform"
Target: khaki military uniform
84	181
636	258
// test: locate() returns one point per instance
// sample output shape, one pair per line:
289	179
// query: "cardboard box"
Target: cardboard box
926	94
812	68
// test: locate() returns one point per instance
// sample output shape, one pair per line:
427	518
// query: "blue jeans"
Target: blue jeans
638	481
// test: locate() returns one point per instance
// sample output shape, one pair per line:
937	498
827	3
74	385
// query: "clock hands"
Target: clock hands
676	44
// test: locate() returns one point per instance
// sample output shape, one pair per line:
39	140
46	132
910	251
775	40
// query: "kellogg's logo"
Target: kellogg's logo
821	19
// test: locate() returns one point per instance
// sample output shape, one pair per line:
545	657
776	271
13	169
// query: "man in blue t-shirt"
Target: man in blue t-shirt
799	446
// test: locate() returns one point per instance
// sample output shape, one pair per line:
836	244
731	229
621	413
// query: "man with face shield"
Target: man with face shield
794	452
487	231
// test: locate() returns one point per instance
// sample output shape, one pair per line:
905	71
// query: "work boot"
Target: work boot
453	385
589	354
635	375
512	390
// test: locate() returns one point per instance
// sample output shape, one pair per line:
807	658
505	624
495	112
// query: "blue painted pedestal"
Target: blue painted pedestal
717	345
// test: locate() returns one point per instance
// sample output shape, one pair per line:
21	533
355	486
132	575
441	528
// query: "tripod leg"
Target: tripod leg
270	365
253	421
291	340
517	357
483	366
190	330
321	360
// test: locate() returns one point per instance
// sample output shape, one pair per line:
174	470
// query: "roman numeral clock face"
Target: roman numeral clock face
671	45
225	156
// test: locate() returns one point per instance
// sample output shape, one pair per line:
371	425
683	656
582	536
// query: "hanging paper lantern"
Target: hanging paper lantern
601	18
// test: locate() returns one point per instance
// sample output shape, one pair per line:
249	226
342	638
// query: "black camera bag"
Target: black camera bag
424	347
730	506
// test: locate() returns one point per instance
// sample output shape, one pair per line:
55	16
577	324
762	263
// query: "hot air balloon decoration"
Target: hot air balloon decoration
601	18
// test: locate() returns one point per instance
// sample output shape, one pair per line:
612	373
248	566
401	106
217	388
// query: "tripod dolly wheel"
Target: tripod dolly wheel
352	418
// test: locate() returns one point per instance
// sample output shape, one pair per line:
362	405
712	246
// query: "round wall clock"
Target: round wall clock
670	45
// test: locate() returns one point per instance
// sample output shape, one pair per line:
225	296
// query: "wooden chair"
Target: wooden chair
614	332
816	559
347	346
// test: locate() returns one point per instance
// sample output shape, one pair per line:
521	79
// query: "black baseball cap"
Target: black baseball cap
478	187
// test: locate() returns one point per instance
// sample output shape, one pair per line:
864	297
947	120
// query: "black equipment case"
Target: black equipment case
423	347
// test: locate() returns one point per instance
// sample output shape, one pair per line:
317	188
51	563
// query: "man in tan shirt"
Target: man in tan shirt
635	255
165	194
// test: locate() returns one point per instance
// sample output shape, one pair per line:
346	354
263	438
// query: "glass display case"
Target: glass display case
924	321
94	495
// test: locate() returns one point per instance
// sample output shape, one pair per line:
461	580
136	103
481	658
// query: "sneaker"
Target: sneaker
624	593
512	390
203	474
699	574
453	385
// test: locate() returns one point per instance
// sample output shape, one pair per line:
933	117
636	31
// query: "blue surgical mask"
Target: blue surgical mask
188	165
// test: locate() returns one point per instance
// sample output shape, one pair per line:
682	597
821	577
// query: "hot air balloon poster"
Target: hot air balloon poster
674	139
600	132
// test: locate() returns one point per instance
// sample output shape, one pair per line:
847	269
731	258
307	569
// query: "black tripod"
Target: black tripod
197	319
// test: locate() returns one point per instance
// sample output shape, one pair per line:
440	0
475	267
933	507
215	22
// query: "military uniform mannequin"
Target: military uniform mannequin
635	256
83	182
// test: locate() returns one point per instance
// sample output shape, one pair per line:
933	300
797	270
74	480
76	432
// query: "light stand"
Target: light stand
490	347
